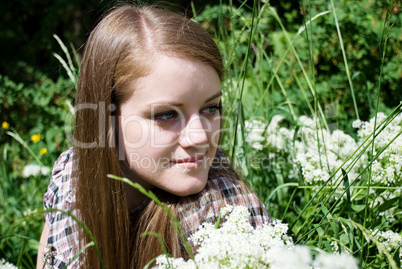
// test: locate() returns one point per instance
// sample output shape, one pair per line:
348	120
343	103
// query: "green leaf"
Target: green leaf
347	190
344	238
396	257
160	239
319	229
390	203
327	245
90	244
328	215
358	208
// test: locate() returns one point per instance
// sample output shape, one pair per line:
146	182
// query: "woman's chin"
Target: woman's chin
188	190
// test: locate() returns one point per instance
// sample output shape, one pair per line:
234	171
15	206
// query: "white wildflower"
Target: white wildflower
238	221
297	257
226	210
237	245
357	123
337	261
6	265
390	240
274	124
29	212
203	232
164	261
255	130
33	170
335	247
307	122
318	153
367	128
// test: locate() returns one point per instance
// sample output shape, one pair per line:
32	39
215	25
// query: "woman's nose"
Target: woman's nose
194	134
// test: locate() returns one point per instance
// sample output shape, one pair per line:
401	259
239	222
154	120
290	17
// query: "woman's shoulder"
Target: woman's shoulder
63	163
59	194
220	190
237	193
62	166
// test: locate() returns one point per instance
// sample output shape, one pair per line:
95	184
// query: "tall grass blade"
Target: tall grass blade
369	236
65	66
160	239
243	74
77	59
292	112
175	222
347	189
18	138
90	244
291	48
345	60
86	230
22	250
384	37
66	52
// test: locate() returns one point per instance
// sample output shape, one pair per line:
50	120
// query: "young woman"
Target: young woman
148	108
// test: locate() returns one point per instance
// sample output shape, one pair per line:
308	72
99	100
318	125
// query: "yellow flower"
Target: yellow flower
43	151
35	138
5	125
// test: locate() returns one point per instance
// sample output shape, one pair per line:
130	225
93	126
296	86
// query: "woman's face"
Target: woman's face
170	125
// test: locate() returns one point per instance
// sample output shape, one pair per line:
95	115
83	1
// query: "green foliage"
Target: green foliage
27	27
39	108
39	120
276	68
361	26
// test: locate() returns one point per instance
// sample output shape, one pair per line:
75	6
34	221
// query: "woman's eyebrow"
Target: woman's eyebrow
167	103
214	96
177	104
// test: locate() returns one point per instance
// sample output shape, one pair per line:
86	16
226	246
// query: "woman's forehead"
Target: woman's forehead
173	78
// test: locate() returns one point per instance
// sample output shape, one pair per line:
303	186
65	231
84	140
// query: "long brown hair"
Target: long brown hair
121	48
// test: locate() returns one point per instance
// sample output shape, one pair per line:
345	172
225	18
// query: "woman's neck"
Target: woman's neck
134	196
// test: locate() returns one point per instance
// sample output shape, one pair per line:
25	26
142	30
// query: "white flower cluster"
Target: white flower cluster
320	152
237	245
334	261
6	265
259	134
387	169
390	241
33	170
255	133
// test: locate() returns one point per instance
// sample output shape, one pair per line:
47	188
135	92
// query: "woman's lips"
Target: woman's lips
188	162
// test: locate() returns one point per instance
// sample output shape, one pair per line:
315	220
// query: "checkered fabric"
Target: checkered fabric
206	205
193	210
62	240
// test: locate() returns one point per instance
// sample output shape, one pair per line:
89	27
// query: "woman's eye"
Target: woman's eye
211	110
165	116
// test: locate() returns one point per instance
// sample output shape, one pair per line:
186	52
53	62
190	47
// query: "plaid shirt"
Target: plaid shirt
194	210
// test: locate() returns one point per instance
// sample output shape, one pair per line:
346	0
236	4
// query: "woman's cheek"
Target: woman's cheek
164	137
136	132
215	132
